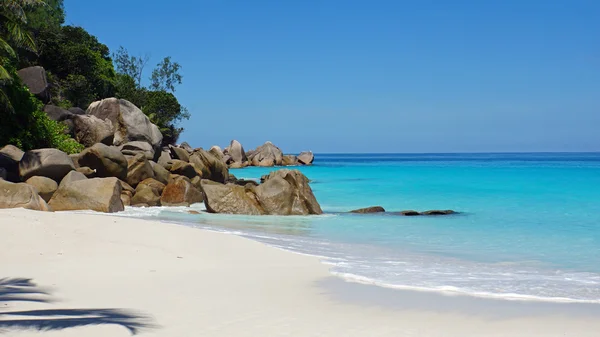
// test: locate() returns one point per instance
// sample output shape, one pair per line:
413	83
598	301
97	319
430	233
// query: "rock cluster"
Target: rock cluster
266	155
379	209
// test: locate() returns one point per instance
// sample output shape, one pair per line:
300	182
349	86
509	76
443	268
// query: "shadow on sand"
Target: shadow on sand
25	290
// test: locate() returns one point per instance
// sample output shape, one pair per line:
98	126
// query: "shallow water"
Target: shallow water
529	226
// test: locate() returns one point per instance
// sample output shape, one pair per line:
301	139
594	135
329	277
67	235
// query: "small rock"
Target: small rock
372	209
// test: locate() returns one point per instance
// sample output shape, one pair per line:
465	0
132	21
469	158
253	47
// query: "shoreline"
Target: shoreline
191	281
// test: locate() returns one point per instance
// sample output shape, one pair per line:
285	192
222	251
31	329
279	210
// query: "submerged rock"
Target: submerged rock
409	213
439	212
372	209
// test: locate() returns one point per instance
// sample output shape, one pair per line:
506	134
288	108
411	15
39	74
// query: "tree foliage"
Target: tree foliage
158	102
23	123
166	75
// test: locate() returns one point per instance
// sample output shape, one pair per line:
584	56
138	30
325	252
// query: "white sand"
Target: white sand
192	282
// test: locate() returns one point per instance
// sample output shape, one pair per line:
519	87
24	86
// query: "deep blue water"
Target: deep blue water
529	225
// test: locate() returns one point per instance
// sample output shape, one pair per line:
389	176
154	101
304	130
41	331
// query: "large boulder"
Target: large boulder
98	194
35	80
51	163
186	147
70	177
289	160
138	147
183	168
266	155
284	192
179	153
89	130
211	167
57	113
131	124
236	152
180	192
287	192
45	187
145	196
217	152
108	161
306	158
20	195
138	169
164	158
156	186
160	173
230	198
10	156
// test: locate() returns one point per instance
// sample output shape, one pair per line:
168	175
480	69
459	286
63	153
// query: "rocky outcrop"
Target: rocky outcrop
10	156
160	173
179	153
217	152
211	167
130	123
35	80
231	199
87	172
98	194
439	212
183	168
186	147
306	158
237	155
266	155
148	193
287	192
20	195
135	148
289	160
57	113
108	161
164	158
284	192
372	209
72	176
51	163
180	192
89	130
138	169
45	187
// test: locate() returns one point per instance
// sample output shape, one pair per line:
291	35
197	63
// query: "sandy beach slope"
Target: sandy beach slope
64	274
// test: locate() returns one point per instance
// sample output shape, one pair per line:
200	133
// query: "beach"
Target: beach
67	274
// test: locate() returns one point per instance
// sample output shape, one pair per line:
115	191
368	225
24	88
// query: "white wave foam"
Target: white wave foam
455	291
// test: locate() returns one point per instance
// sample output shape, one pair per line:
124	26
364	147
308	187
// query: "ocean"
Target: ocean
528	227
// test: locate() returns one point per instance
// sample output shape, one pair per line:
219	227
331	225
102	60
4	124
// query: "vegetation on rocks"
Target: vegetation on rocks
79	69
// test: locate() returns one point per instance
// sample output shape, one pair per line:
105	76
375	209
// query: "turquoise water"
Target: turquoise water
529	226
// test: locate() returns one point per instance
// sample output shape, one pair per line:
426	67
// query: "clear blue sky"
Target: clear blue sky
372	76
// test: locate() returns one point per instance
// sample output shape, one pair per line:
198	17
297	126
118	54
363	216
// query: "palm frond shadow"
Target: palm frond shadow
25	290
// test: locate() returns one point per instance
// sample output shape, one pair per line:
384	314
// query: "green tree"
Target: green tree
80	67
132	66
166	75
158	103
24	124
